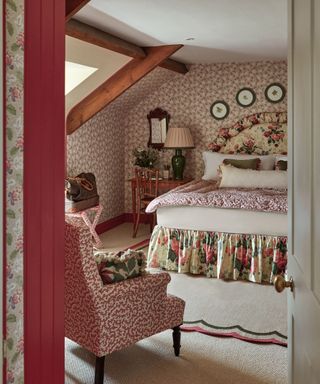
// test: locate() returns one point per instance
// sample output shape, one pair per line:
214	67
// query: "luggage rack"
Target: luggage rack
95	213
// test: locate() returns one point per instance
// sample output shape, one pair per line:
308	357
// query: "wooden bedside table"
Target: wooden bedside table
164	185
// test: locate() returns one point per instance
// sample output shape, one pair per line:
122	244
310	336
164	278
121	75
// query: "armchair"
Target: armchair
106	318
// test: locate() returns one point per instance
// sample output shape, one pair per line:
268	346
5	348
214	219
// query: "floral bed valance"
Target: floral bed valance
261	133
256	258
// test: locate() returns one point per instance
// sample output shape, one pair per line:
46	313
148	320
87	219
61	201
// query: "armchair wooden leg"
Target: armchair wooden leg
99	372
176	335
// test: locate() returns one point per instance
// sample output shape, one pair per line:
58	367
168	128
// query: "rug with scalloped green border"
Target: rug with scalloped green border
246	311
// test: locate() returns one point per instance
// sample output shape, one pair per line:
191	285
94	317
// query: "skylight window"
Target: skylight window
76	74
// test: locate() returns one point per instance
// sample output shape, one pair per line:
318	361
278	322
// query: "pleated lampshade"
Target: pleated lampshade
179	138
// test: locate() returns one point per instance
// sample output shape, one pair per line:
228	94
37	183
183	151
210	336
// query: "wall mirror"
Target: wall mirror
158	124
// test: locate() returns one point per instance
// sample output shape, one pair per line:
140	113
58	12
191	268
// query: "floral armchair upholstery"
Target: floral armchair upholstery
106	318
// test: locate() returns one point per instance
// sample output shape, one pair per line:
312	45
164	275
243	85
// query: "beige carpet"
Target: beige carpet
204	359
120	237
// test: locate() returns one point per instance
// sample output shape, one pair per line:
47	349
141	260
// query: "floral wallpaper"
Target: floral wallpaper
98	146
188	99
104	144
14	40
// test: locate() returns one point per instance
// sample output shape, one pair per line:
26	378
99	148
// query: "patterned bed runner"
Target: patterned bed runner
201	193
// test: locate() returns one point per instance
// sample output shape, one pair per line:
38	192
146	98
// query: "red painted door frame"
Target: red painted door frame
44	158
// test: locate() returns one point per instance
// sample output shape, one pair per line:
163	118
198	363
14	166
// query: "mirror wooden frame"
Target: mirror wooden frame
157	114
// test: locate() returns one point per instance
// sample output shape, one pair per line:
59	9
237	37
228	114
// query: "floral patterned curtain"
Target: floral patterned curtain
256	258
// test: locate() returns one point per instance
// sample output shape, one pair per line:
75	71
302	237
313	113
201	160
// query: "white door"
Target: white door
304	194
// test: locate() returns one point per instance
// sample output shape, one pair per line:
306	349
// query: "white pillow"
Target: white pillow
212	160
232	177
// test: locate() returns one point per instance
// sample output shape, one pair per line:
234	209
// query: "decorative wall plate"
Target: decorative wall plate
219	110
246	97
275	92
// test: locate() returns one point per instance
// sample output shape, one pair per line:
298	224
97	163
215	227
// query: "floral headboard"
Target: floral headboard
261	133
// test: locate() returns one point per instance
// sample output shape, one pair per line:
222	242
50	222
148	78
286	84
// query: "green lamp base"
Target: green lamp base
178	162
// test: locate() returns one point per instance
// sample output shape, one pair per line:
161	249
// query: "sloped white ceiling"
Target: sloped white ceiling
107	63
223	30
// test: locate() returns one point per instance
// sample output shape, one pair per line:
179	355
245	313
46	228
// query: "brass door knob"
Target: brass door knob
280	283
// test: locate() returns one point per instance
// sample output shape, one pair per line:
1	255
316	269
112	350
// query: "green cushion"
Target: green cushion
115	267
243	164
282	165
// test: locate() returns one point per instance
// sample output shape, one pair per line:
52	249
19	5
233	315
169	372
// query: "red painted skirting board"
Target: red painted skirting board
111	223
118	220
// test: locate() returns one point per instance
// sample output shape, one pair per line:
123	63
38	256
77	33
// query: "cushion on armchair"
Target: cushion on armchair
114	267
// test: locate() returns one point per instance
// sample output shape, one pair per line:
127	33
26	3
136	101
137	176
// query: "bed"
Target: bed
227	233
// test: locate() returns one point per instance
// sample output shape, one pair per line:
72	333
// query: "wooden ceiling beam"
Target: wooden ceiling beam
175	66
74	6
92	35
127	76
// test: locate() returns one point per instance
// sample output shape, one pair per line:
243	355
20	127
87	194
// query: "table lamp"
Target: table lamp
178	138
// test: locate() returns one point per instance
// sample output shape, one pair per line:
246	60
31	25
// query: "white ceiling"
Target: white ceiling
223	30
